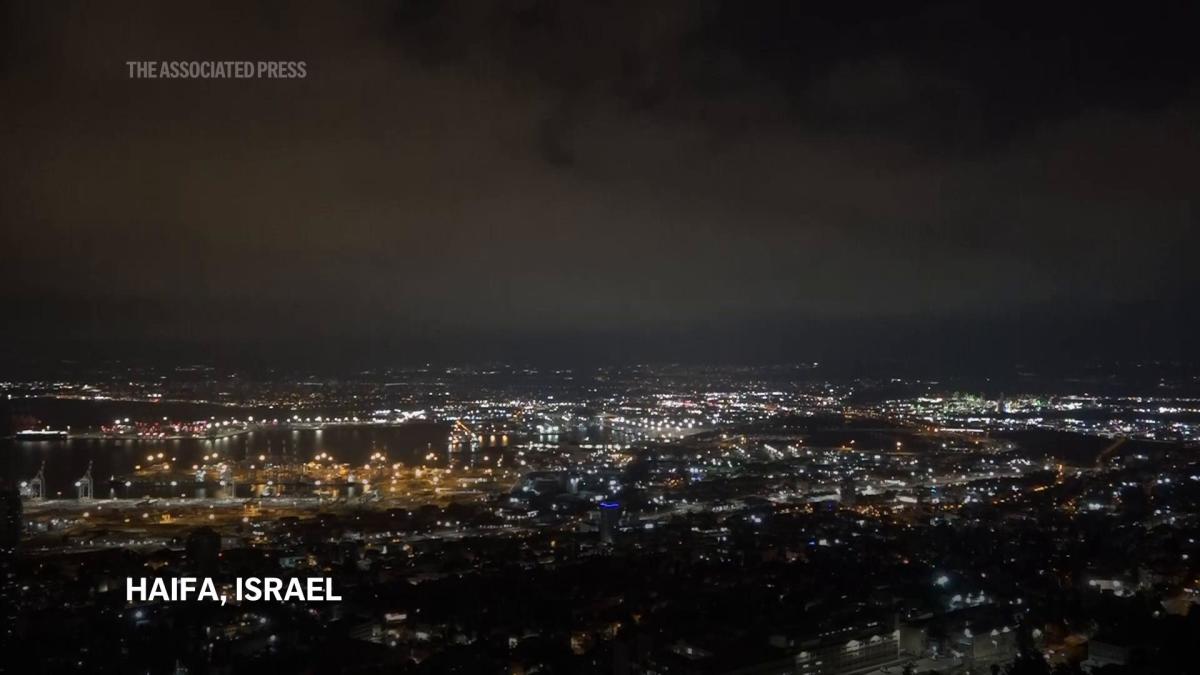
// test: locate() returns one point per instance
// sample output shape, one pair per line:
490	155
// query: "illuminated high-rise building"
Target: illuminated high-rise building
10	521
610	516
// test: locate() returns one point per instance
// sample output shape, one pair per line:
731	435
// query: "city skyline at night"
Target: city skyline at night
527	337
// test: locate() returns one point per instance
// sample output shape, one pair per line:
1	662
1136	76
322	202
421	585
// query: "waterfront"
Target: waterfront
67	460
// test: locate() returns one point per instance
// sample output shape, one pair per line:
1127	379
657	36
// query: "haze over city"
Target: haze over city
718	181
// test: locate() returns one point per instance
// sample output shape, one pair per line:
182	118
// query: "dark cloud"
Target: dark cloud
746	179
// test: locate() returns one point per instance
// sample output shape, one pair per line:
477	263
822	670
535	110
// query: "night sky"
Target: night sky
959	183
